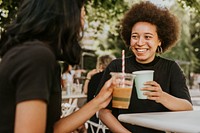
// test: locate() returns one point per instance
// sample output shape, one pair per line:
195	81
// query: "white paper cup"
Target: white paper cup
142	77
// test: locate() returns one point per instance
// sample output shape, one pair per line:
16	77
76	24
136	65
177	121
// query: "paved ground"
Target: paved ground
194	92
195	96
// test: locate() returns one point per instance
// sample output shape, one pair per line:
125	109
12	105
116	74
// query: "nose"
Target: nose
140	41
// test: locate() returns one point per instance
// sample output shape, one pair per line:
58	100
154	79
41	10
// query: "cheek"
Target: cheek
154	44
132	42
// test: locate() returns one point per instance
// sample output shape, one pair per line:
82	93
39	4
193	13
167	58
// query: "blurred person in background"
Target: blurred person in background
93	79
69	74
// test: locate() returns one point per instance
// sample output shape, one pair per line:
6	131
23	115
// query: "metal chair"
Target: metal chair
99	126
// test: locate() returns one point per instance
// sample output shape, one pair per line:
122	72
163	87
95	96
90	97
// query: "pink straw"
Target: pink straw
123	67
123	61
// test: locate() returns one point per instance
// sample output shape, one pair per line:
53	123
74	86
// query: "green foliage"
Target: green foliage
193	5
183	51
103	18
8	10
102	32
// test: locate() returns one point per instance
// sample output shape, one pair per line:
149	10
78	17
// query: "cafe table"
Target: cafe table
70	102
73	96
176	122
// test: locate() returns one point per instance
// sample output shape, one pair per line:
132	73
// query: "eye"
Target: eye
148	37
134	37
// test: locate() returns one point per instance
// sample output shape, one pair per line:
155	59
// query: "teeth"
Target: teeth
141	50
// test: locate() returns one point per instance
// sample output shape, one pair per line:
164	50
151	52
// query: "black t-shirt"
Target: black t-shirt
27	72
93	85
92	88
167	73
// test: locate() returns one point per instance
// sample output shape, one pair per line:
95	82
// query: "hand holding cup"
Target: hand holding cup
141	78
122	90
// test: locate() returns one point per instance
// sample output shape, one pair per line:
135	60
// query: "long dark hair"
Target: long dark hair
55	22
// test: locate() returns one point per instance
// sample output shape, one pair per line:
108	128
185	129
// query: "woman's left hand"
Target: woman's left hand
153	91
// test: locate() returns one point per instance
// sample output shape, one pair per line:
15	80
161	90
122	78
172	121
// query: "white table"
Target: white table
73	96
180	122
70	103
69	98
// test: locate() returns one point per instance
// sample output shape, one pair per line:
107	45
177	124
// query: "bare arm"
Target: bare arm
111	122
87	80
174	103
30	117
85	87
76	119
171	102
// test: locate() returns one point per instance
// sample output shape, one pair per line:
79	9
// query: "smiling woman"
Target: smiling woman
148	29
144	42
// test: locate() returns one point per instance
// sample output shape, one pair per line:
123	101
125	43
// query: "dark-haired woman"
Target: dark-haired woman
43	32
147	30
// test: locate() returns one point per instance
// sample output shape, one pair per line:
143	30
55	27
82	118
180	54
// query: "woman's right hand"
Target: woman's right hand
105	95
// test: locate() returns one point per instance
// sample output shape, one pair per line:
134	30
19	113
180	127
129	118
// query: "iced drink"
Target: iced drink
123	90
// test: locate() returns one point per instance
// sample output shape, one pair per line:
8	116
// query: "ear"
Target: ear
159	43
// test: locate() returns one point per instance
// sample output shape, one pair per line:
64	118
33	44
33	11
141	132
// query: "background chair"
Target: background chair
96	127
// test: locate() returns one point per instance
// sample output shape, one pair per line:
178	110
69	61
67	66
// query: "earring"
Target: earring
159	50
130	48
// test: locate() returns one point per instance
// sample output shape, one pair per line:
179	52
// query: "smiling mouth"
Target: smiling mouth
141	50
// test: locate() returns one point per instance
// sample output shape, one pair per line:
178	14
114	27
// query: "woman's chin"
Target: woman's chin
141	60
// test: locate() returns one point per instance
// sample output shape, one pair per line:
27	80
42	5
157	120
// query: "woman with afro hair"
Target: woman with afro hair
147	30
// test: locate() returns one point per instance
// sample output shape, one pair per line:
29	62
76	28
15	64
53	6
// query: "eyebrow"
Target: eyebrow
144	33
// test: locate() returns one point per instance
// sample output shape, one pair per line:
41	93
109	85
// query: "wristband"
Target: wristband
87	78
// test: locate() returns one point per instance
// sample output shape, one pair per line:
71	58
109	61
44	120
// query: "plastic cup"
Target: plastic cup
142	77
123	89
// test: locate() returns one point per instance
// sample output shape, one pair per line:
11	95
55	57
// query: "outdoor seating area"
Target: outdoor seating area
100	66
72	102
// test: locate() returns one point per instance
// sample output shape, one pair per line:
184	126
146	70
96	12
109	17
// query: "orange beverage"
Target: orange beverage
121	97
123	89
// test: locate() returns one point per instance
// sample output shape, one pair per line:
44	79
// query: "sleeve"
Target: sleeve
33	75
178	86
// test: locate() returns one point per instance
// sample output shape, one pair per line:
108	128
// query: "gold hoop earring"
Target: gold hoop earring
159	50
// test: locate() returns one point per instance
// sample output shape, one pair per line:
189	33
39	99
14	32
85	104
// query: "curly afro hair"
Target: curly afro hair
167	24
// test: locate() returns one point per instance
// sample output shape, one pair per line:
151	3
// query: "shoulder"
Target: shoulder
97	75
167	61
38	49
119	60
28	54
34	50
174	65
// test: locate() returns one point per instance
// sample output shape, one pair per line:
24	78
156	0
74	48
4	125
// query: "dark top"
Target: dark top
93	85
167	73
92	88
27	72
